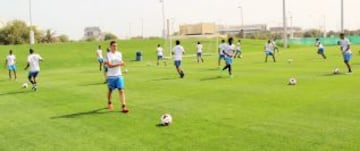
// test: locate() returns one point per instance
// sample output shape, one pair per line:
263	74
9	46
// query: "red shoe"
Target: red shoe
110	107
124	110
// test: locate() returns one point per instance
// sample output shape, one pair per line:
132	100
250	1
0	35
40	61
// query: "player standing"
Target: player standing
115	79
99	57
238	50
11	64
268	51
178	52
199	52
160	55
220	51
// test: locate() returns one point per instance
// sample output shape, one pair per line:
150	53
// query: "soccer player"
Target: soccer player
346	51
115	79
33	61
268	51
105	66
10	62
178	52
160	55
220	51
199	47
229	53
321	50
238	50
99	56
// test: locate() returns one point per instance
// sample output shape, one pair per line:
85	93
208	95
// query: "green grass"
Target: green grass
255	110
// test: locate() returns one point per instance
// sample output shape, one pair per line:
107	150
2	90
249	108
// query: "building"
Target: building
198	29
93	32
246	29
291	30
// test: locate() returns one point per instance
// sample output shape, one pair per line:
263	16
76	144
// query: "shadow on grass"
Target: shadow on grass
161	125
74	115
93	84
16	92
332	74
164	79
211	78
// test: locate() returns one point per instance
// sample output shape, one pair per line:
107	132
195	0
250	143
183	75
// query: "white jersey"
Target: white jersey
222	47
319	44
273	43
159	51
10	59
229	50
345	43
34	62
238	46
268	47
114	58
99	54
199	48
178	52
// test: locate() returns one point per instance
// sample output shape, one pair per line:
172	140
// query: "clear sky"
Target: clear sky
125	17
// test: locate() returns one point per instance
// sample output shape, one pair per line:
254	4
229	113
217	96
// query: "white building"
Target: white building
93	32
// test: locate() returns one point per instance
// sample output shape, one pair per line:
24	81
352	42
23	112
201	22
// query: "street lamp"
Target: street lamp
342	15
163	16
285	25
241	15
32	34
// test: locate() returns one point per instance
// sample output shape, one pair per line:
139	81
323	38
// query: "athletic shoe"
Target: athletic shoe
110	106
182	75
124	110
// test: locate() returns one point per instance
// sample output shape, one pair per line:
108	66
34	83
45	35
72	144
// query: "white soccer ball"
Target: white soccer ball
166	119
336	71
292	81
25	85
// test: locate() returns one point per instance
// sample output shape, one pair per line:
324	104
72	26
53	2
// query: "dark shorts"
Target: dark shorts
177	63
33	74
159	57
199	54
321	51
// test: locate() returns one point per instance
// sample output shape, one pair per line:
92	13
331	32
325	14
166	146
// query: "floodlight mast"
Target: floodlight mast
32	34
342	16
285	25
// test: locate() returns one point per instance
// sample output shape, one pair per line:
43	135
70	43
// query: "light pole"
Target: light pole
163	16
285	25
32	34
342	15
241	15
291	26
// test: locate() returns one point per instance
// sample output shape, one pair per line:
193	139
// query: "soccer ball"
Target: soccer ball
336	71
292	81
25	85
126	70
165	119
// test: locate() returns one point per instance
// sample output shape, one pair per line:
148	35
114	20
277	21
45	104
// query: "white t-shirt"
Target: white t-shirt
229	50
238	45
34	62
178	52
319	44
114	58
11	59
159	51
222	47
99	54
345	44
199	47
268	47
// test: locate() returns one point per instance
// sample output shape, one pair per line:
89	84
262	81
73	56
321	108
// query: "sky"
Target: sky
126	18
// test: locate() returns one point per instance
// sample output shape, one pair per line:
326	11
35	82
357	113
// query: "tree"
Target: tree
17	32
63	38
110	36
49	37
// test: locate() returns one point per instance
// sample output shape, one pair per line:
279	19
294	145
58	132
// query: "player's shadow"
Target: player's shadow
332	74
211	78
92	84
15	92
74	115
164	79
161	125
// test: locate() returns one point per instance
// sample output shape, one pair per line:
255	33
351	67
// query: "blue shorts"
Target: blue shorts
321	51
228	60
269	53
177	63
12	68
100	60
221	56
116	83
238	50
33	74
347	56
159	57
199	54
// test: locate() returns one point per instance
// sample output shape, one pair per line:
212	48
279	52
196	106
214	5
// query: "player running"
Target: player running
33	61
160	55
274	46
268	51
10	61
321	49
238	50
178	52
220	51
115	79
229	53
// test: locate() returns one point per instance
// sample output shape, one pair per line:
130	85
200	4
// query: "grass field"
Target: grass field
254	110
